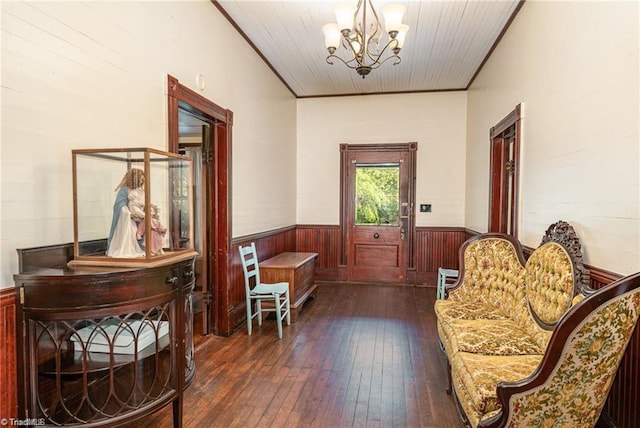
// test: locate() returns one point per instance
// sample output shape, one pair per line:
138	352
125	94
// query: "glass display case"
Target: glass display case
131	207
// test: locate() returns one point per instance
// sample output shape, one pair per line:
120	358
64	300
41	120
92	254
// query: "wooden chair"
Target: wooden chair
255	290
445	277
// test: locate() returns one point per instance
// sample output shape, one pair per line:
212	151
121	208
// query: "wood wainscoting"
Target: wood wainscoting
437	247
326	240
8	362
434	247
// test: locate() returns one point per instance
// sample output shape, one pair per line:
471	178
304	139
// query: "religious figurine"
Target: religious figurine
158	232
128	212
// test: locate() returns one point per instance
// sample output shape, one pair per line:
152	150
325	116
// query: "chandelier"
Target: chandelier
359	31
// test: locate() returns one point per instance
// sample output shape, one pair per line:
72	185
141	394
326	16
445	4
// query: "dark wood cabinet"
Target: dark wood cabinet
104	346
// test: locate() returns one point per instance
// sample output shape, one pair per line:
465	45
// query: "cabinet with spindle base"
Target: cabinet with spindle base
104	346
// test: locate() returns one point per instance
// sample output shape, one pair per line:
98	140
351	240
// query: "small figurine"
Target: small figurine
128	211
158	232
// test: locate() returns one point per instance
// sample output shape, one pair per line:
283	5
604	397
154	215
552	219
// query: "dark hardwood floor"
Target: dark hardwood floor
359	356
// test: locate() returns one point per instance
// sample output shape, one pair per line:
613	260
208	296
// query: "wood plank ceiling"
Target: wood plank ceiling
446	45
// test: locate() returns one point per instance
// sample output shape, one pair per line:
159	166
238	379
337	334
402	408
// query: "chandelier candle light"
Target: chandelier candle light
365	49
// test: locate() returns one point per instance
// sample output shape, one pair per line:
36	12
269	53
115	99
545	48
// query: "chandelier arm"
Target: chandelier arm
373	40
359	6
376	57
378	26
351	63
361	31
358	26
330	57
348	45
377	64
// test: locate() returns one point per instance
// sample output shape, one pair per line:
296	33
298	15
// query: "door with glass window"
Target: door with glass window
378	214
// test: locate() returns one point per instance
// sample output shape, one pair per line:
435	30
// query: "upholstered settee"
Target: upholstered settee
498	318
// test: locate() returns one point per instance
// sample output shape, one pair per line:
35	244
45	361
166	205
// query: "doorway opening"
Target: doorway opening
505	174
377	218
201	130
194	139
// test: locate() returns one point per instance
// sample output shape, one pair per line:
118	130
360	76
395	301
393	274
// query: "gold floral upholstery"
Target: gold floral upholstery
475	377
448	310
486	324
575	391
493	275
489	337
549	280
492	288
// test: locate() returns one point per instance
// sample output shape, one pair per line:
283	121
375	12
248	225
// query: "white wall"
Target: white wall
93	75
574	65
90	75
434	120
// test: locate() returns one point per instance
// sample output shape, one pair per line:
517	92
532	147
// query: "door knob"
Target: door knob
376	235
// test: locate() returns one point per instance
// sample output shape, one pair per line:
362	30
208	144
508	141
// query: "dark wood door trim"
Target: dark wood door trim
345	150
219	205
506	122
503	212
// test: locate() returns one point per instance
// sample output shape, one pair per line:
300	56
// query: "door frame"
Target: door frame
219	204
345	150
503	213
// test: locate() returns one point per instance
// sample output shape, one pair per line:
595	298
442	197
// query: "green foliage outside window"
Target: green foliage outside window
377	195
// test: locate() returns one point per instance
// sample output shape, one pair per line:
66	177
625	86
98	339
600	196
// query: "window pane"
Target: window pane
377	194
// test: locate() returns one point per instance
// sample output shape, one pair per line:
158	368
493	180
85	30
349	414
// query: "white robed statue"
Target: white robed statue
128	212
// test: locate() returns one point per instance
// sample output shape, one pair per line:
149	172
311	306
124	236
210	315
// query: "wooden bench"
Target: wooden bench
296	269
